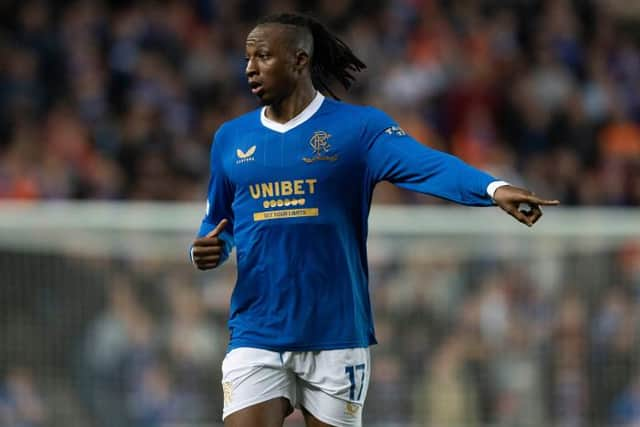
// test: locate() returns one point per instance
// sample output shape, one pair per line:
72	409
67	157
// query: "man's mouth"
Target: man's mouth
256	88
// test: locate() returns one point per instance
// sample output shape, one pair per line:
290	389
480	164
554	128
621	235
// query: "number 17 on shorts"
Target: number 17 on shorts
357	378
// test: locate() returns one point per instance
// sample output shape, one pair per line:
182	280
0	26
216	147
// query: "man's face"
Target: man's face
271	67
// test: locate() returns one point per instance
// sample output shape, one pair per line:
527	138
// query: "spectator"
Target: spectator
21	404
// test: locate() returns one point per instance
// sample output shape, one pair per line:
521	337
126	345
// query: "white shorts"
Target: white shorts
330	384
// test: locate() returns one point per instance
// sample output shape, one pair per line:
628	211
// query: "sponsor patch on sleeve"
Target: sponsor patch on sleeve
395	130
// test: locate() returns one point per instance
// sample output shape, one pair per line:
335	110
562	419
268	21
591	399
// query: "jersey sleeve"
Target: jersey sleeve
394	156
219	199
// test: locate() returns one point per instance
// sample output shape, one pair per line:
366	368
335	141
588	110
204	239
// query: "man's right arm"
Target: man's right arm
216	229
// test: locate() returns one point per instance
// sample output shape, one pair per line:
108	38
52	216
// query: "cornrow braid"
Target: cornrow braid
331	57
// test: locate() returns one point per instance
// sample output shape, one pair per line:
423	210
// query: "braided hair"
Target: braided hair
330	56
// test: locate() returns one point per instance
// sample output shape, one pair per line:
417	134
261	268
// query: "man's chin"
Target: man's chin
264	100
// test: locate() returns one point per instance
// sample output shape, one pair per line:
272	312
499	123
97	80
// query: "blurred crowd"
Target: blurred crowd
119	100
465	341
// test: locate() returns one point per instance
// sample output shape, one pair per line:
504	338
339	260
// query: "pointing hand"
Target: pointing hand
510	199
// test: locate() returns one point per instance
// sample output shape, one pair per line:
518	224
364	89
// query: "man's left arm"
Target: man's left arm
396	157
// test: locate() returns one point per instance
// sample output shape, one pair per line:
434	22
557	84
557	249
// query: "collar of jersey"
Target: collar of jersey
302	117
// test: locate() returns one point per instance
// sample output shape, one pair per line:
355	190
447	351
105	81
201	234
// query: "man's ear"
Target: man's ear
302	60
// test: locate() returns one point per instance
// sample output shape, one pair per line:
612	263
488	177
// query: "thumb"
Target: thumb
216	231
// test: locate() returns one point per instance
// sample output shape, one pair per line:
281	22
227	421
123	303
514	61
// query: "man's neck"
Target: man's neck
292	105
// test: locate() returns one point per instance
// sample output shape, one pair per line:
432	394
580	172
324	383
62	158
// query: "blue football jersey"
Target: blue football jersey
297	196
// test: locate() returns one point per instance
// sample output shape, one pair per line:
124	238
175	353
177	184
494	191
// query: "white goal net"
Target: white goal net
481	321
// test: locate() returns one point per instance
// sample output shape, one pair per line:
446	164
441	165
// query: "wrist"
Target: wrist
493	186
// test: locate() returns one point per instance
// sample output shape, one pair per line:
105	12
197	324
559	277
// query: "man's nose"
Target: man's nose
251	70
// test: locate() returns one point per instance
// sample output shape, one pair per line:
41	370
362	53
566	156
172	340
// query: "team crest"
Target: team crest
320	145
227	389
245	156
351	409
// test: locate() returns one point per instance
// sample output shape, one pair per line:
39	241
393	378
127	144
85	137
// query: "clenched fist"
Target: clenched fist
207	251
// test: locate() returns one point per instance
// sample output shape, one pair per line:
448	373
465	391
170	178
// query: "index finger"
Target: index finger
216	231
544	202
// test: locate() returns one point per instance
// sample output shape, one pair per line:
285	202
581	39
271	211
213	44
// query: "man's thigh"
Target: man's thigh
332	384
266	414
257	387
